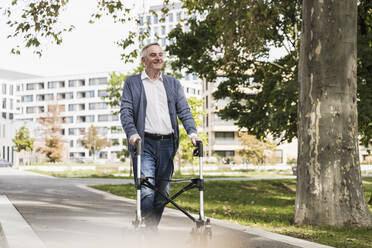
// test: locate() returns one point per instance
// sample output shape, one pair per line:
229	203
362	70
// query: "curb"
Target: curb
3	241
15	231
250	230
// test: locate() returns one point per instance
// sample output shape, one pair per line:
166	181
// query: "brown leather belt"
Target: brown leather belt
158	136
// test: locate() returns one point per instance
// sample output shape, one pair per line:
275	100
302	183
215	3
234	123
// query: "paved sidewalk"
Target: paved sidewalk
66	213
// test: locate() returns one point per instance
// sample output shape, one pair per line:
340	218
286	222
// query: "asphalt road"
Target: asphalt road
62	213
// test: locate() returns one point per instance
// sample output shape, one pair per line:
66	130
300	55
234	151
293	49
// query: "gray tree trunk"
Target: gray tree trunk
329	184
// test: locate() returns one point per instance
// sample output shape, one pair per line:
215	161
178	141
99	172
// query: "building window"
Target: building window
71	107
98	81
68	119
56	84
114	117
41	109
170	17
4	88
114	142
103	117
224	136
49	97
156	20
30	110
163	41
194	76
85	118
76	83
178	16
71	143
72	131
97	105
141	20
30	86
102	93
35	86
187	76
148	19
225	153
103	155
65	95
4	103
162	30
116	129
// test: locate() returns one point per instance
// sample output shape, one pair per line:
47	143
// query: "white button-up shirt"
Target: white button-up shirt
157	119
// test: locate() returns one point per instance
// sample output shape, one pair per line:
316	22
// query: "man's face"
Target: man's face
154	59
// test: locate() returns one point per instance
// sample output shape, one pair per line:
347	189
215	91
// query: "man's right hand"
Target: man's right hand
133	139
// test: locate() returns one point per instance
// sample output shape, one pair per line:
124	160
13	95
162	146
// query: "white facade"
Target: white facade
7	133
8	110
81	105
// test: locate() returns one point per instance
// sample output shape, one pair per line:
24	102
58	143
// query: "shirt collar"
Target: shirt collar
145	76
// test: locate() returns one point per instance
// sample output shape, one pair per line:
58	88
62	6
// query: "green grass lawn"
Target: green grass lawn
263	204
125	174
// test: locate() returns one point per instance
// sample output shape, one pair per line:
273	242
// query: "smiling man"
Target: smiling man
151	103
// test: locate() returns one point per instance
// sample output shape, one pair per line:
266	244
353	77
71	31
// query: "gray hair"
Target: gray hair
144	50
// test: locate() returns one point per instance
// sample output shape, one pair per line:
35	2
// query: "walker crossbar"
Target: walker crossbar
202	224
195	183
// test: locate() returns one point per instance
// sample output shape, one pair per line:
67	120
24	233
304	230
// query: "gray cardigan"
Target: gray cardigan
133	108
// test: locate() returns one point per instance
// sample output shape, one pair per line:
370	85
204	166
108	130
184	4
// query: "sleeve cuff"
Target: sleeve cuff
192	135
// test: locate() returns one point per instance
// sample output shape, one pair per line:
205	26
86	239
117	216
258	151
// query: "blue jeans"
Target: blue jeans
156	162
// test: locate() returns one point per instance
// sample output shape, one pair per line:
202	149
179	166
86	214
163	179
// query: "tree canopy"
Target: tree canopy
54	143
92	141
23	141
231	45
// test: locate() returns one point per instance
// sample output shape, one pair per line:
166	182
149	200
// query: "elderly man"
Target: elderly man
151	103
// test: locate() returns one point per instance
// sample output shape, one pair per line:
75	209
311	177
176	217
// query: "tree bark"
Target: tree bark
329	183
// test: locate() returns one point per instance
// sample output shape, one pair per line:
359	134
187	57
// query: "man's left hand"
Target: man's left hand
195	139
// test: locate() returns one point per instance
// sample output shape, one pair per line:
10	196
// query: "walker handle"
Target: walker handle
138	146
198	151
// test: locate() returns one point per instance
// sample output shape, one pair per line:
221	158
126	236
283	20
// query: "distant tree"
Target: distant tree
253	149
184	153
93	142
23	141
53	147
113	98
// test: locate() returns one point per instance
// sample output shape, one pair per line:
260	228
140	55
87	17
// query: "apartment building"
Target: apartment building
8	111
149	21
223	135
80	102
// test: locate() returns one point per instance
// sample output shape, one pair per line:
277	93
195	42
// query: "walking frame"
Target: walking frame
202	224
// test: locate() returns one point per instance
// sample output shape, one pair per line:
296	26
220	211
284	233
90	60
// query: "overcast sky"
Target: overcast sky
89	48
